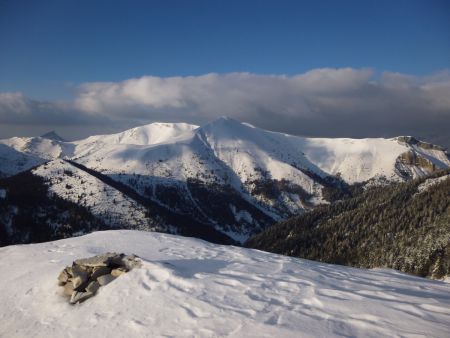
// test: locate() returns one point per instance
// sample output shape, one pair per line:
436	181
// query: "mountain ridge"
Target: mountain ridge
405	226
235	177
52	135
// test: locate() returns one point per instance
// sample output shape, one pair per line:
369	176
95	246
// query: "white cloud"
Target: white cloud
345	102
14	104
227	94
17	109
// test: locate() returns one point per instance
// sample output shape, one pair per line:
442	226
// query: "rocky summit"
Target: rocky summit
83	279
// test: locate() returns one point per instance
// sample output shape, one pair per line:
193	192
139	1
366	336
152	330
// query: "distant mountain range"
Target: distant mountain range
223	181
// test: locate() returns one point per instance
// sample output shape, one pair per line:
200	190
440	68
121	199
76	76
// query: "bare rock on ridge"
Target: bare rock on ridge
83	279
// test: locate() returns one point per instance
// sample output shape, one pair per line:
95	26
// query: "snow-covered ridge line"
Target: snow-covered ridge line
430	182
240	146
279	173
104	202
188	287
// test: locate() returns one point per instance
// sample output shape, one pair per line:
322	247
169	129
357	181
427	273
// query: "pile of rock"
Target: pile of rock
82	280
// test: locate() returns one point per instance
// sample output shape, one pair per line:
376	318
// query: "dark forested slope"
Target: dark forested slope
400	226
29	214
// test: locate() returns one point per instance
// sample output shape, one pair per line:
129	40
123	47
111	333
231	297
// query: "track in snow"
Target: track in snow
188	287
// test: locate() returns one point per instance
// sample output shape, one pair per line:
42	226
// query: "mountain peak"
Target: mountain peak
226	119
52	135
223	122
413	141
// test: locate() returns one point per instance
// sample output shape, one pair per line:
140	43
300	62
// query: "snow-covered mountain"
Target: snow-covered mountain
52	135
190	288
229	152
405	226
247	151
231	175
112	206
18	154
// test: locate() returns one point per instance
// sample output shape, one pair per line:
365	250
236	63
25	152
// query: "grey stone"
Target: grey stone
117	260
100	271
78	297
63	277
118	272
83	279
68	288
105	279
92	287
100	260
79	277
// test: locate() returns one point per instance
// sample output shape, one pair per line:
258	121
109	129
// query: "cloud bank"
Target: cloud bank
322	102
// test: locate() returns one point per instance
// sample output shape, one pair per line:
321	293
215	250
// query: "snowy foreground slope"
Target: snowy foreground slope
188	287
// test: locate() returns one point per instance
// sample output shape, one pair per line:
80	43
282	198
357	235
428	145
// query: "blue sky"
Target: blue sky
343	68
50	47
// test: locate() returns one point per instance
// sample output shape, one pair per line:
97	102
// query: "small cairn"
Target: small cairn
82	280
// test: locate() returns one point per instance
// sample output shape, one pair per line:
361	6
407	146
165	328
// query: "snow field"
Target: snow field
190	288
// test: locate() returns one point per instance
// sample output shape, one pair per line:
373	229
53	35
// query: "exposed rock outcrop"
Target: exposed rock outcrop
82	280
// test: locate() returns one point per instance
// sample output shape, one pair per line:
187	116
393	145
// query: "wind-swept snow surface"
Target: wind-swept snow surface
188	287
